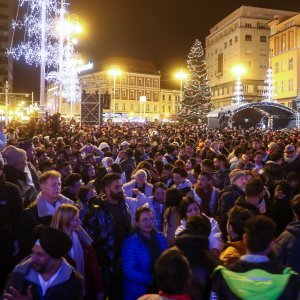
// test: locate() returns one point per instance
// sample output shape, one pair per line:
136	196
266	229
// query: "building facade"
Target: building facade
241	39
6	63
285	58
169	104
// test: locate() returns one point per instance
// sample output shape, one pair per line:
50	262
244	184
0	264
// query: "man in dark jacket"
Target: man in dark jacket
259	275
108	222
14	170
45	274
288	243
229	195
11	207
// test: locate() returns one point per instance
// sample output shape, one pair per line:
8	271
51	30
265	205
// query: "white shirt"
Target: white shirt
46	284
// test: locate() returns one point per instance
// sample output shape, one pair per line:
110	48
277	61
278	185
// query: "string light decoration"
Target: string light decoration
268	93
40	46
238	95
40	15
196	103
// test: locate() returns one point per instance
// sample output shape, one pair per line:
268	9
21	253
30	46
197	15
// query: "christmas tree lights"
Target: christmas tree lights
197	92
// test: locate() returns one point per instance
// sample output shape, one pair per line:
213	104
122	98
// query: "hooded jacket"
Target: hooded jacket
288	246
68	285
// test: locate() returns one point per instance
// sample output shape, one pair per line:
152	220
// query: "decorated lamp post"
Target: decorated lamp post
238	98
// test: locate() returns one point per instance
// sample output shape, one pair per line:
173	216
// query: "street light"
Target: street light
181	75
114	71
143	100
238	71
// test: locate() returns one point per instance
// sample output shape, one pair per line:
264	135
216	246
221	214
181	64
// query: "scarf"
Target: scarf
205	197
76	253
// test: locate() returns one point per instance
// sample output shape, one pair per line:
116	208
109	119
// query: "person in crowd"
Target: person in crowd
116	168
173	275
228	197
222	179
65	170
288	243
166	176
128	163
194	243
255	269
189	208
14	171
45	274
138	183
171	156
11	208
235	247
172	214
108	222
82	254
258	162
85	194
88	173
96	183
181	182
189	166
73	185
291	160
43	208
139	254
206	195
157	204
213	151
205	150
254	196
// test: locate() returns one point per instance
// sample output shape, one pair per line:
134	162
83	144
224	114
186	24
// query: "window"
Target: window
225	45
124	80
276	68
123	94
147	107
131	94
216	50
291	63
220	63
139	94
236	38
230	42
291	85
132	80
140	82
248	37
148	95
148	83
263	39
263	52
249	63
155	83
170	98
155	108
155	95
163	97
283	66
169	108
283	86
123	106
117	93
163	108
245	88
248	25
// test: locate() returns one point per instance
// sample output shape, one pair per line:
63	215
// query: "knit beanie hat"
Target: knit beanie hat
13	155
235	175
55	242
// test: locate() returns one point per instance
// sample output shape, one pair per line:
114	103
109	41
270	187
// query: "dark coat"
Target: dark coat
68	285
99	224
227	200
221	291
288	246
202	261
18	178
241	201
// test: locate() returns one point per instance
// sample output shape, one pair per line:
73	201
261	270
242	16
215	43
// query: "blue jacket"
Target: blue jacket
136	265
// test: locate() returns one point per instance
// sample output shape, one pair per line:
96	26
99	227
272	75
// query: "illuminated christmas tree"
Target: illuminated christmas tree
197	92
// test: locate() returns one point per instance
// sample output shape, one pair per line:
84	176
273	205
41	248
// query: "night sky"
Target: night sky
158	30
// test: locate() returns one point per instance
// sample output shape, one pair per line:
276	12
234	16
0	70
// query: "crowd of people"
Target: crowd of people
148	211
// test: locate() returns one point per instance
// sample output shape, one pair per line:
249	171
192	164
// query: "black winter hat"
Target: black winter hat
55	242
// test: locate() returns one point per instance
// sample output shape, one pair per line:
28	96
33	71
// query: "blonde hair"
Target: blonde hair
62	217
141	171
